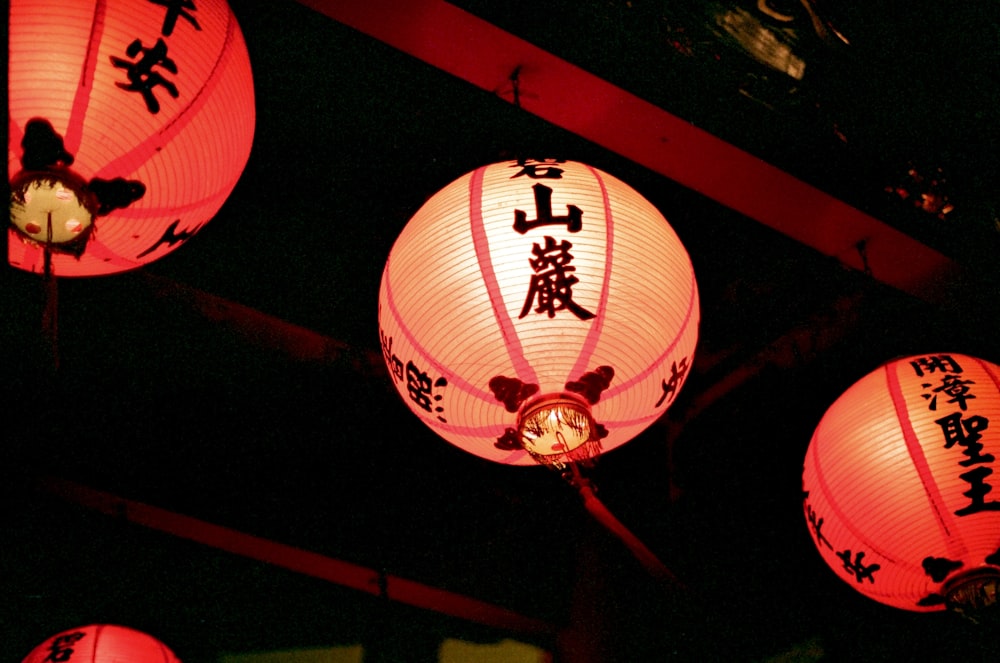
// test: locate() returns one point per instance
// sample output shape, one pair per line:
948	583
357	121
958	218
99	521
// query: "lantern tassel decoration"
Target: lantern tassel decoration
899	484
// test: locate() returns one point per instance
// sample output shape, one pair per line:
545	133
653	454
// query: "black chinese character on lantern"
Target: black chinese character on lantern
421	389
552	285
573	219
394	363
61	648
978	490
951	385
671	386
935	364
857	566
170	237
966	433
539	169
142	78
817	525
176	9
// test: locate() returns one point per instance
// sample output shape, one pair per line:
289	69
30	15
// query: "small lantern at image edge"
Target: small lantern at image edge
129	125
102	643
538	312
899	484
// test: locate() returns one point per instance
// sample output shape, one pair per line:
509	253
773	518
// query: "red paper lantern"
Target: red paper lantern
130	123
538	311
899	483
102	643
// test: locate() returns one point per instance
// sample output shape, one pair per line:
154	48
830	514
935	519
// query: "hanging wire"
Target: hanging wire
603	515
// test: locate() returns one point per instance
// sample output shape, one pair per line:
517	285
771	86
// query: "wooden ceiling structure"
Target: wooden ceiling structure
219	460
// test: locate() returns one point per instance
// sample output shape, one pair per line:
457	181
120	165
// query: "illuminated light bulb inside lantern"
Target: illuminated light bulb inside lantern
51	208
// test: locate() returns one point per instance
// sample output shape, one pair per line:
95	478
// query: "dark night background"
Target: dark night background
239	379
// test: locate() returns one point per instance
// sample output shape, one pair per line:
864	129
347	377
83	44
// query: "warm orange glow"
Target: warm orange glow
102	643
545	278
155	93
901	496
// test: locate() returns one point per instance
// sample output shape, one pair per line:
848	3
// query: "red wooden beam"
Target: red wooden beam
301	561
480	53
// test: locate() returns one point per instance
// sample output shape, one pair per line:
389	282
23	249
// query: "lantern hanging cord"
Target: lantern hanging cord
862	247
515	86
50	314
600	512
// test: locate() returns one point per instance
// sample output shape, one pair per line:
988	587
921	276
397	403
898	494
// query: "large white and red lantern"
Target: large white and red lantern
101	643
130	122
902	497
538	311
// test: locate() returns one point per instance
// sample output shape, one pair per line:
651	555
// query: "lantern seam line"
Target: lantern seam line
614	391
594	333
81	100
522	367
97	638
453	379
842	519
916	454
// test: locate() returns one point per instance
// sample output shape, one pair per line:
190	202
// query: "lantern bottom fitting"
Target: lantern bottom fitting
52	208
974	591
557	429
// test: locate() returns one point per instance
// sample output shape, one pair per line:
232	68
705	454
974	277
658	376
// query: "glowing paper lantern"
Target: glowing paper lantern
538	311
899	483
130	123
102	643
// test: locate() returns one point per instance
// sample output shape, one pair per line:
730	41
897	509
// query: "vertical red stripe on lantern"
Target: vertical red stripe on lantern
916	452
81	102
522	368
594	333
181	123
525	279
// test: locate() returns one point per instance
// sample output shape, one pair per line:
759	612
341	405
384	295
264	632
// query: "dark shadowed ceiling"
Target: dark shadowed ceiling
239	380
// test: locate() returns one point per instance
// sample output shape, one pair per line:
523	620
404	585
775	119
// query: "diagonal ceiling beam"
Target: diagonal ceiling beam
480	53
294	559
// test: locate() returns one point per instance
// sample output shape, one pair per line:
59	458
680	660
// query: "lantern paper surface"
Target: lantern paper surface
102	643
147	96
520	280
901	495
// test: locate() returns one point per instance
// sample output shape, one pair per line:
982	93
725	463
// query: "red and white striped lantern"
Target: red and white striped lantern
143	118
538	311
101	643
901	495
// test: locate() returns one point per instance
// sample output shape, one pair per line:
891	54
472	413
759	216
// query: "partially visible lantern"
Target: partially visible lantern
538	311
899	482
130	122
102	643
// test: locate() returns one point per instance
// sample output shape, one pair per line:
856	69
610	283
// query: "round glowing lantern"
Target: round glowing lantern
102	643
538	311
899	482
130	122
